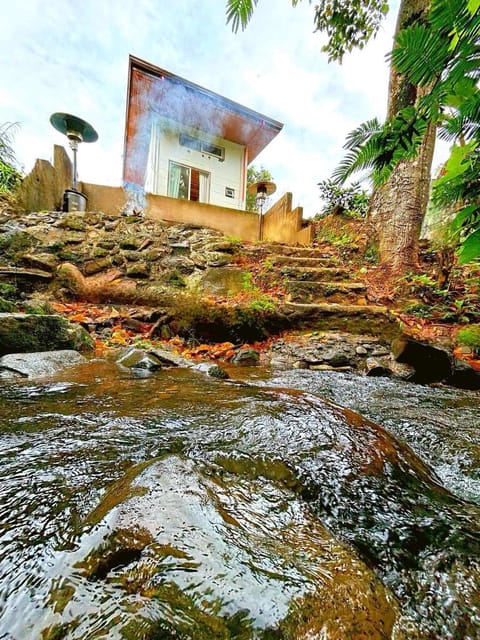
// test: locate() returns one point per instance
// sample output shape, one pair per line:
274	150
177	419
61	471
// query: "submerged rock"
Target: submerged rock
212	370
134	358
205	553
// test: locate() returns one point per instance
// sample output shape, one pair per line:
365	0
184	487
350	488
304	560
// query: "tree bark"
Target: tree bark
398	207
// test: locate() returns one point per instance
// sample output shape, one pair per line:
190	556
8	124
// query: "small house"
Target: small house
186	142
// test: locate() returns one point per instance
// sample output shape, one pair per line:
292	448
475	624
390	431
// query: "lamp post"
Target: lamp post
261	190
76	130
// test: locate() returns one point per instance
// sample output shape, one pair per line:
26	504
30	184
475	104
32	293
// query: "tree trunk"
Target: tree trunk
398	207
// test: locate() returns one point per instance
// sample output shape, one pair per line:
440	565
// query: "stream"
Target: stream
287	505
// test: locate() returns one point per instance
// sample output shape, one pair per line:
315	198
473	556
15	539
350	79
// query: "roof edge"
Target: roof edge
143	65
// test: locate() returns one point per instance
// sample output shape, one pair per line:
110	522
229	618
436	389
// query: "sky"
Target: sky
72	56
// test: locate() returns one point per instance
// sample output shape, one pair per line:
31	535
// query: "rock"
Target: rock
216	259
95	266
130	242
131	256
106	244
73	222
179	532
182	264
39	364
138	270
169	359
337	359
464	376
212	370
432	364
361	351
134	358
401	370
246	357
222	246
23	333
44	261
377	368
74	237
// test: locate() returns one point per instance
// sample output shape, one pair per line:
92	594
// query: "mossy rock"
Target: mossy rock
25	333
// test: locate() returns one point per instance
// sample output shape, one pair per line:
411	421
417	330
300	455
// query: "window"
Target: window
187	183
201	145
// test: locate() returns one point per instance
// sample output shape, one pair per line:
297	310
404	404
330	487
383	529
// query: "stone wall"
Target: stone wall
43	189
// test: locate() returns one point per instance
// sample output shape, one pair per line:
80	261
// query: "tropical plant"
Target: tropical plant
256	174
349	201
9	175
348	25
399	203
440	55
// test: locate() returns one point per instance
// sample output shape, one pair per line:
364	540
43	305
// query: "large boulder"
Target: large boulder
431	363
209	552
24	332
36	365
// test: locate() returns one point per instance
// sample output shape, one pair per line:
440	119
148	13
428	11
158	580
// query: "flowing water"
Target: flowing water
174	505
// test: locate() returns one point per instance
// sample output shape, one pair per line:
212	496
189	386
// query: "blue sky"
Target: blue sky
72	56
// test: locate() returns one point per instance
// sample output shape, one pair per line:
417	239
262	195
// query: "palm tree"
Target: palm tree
399	205
441	56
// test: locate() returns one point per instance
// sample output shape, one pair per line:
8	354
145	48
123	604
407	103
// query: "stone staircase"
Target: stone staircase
321	294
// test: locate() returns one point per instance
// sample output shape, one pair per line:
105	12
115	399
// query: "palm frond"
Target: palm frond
362	133
239	13
421	54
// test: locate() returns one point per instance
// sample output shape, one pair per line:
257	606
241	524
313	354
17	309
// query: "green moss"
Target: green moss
470	337
6	306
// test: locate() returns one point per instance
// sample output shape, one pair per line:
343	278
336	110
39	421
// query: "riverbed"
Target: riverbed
175	505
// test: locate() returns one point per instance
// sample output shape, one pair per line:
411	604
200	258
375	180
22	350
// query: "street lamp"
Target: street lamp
261	190
76	130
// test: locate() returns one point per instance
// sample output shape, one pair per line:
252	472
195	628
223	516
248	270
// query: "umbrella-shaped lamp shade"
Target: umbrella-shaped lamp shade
263	188
73	127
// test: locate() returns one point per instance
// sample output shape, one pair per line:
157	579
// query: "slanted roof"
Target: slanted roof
152	90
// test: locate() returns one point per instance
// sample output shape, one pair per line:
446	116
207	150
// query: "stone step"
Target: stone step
315	274
351	318
276	249
300	261
312	291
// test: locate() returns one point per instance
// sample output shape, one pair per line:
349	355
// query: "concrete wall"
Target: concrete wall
282	224
237	224
43	190
112	200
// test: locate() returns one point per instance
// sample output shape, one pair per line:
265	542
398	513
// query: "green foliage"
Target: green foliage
255	174
348	25
349	201
239	12
470	337
247	282
458	302
10	177
459	187
378	148
441	54
262	304
8	291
